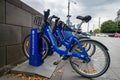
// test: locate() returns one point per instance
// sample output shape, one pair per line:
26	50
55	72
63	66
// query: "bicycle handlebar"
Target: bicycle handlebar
54	16
46	15
56	20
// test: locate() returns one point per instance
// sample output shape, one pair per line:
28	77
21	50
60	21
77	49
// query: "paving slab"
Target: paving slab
58	73
64	70
70	74
45	69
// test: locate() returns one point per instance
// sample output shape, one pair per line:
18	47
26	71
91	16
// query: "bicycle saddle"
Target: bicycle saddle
86	18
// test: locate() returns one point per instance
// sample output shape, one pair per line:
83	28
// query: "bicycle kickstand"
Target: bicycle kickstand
58	61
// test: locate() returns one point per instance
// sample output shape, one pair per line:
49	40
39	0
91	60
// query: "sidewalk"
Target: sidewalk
64	71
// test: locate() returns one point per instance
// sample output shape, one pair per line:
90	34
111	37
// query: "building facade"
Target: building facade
118	16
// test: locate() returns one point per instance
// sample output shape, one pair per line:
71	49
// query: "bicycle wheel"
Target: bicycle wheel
57	42
44	50
98	64
90	48
87	46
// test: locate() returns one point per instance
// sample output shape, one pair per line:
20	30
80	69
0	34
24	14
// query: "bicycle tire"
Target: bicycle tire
89	48
87	73
26	51
89	45
56	39
84	38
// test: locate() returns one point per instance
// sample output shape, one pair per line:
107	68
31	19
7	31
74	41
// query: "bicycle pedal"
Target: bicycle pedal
56	63
65	58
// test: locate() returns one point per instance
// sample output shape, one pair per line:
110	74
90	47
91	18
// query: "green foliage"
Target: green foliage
97	31
118	23
118	28
108	27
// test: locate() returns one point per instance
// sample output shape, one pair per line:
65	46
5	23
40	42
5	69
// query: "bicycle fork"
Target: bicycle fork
83	54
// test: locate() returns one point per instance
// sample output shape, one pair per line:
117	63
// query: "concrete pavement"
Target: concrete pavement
65	72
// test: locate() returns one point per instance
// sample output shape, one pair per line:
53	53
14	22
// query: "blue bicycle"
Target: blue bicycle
85	65
62	33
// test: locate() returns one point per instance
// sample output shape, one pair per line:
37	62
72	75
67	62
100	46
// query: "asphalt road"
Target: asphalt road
113	73
113	45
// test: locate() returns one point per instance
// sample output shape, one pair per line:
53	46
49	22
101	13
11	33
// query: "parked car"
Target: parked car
86	34
102	35
117	35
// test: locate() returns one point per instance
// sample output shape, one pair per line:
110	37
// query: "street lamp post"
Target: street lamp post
68	16
99	23
88	28
93	26
68	9
68	20
117	19
117	24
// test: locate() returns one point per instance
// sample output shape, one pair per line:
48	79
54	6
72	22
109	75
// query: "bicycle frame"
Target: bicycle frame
64	38
47	31
60	37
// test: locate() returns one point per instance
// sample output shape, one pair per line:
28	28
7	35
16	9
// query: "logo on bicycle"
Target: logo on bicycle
33	41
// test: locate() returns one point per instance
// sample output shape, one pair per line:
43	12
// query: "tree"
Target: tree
108	27
97	31
118	27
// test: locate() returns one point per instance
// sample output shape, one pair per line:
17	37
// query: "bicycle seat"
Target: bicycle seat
86	18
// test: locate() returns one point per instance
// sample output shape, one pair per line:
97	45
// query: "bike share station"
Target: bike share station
87	48
34	65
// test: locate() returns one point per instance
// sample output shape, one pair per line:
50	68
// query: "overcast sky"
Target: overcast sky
105	9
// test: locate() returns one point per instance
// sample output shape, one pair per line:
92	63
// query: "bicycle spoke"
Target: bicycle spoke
99	61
